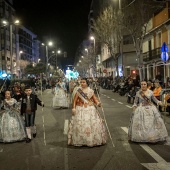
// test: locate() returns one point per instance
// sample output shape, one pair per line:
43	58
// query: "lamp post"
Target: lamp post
5	23
95	59
57	52
46	54
19	64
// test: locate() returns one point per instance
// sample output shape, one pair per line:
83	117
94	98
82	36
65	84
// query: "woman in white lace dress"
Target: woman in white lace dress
86	127
60	99
11	123
146	124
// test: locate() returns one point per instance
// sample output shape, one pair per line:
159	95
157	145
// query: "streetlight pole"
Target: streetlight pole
46	55
57	52
19	64
94	53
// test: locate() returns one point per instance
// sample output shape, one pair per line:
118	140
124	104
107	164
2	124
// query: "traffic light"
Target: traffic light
134	71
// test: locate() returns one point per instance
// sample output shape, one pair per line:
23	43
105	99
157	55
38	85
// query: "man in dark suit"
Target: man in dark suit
28	109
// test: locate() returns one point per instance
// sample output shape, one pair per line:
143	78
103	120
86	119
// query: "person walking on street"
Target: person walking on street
146	124
86	127
28	109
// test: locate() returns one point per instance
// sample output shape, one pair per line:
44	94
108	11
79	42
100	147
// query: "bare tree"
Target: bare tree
136	17
107	32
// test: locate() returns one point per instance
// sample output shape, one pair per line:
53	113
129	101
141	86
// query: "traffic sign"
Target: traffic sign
164	48
164	56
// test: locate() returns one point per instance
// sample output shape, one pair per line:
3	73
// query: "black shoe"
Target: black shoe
34	135
28	140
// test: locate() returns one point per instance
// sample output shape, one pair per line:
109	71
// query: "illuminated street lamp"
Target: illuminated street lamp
92	38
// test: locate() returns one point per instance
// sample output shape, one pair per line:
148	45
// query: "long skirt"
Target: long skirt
146	125
86	128
11	127
60	99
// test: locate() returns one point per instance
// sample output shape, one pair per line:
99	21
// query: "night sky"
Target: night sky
64	21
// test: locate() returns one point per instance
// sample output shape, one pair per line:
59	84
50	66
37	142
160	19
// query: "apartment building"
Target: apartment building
19	46
127	60
8	49
158	32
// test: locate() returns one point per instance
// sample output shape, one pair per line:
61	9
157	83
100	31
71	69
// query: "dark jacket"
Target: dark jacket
34	100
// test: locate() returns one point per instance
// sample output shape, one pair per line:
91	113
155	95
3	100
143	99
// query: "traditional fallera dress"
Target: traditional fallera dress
146	124
11	123
60	98
86	126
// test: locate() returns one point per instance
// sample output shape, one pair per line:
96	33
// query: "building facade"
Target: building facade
8	40
158	32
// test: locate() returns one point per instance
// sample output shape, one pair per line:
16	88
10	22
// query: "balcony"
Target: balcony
152	55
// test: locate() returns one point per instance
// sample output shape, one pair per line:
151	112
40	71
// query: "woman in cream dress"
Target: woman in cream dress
86	126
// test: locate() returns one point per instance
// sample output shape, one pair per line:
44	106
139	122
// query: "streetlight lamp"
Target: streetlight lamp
92	38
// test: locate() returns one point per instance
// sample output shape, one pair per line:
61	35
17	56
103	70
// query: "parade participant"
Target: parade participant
17	94
11	123
28	109
86	127
60	99
146	124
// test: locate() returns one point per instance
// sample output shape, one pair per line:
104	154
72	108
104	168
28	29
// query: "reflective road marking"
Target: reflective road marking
129	106
161	165
120	102
65	127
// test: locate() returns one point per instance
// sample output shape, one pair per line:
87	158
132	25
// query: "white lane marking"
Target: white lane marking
128	106
44	131
113	99
65	127
120	102
162	164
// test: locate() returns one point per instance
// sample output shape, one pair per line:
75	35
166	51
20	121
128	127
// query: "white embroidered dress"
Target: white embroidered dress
86	126
11	124
60	97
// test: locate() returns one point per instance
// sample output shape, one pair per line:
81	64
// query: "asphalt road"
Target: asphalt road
49	150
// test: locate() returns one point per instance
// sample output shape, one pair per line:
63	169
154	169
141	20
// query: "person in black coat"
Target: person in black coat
28	109
17	93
